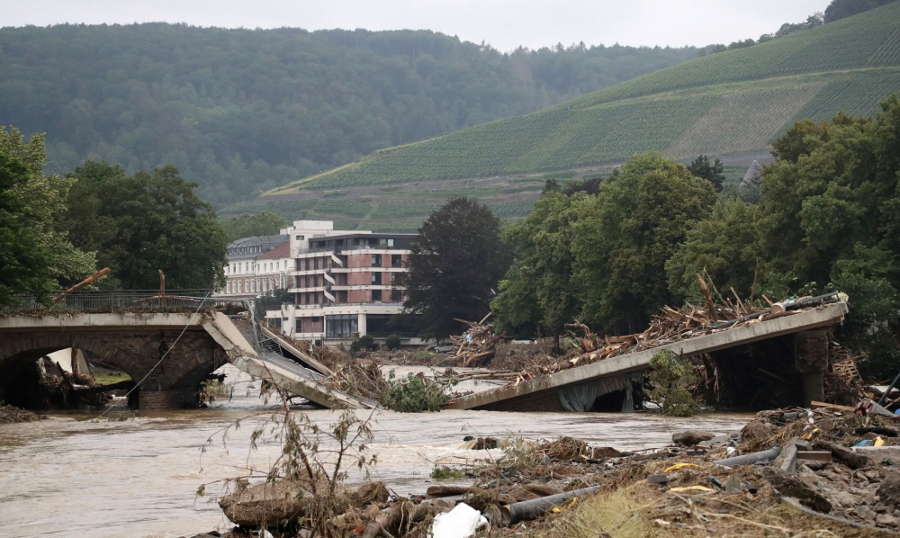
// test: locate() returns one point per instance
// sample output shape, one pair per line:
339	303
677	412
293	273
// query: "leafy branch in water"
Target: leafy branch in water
415	393
671	376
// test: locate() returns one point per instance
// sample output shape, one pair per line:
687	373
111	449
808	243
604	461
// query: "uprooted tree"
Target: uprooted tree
672	376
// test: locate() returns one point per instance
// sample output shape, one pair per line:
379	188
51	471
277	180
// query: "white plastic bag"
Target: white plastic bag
461	522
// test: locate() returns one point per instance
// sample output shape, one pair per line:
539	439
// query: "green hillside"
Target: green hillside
243	111
727	104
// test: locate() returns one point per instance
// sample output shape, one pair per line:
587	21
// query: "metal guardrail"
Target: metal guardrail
124	299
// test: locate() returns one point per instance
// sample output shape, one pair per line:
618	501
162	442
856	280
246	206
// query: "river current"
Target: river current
137	474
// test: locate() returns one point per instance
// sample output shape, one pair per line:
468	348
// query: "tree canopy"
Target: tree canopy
455	265
599	258
243	111
839	9
144	223
35	254
710	171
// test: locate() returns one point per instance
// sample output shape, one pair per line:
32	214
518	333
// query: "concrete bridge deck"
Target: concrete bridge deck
541	393
174	351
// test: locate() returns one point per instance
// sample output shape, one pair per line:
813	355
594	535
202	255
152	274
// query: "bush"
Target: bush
364	342
671	377
414	394
392	342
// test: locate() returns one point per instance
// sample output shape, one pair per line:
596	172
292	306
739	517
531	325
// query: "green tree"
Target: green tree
35	254
829	215
712	172
455	265
727	246
539	290
624	236
839	9
246	225
144	223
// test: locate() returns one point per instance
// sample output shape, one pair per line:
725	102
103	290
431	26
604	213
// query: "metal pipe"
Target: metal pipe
750	459
536	508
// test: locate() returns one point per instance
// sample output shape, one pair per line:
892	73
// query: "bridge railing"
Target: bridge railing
124	299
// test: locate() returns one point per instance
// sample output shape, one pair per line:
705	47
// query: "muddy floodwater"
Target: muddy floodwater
137	474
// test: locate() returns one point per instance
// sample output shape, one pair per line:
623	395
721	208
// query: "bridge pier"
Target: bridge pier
811	361
161	399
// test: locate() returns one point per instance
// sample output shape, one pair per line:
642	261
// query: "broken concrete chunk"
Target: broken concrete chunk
788	486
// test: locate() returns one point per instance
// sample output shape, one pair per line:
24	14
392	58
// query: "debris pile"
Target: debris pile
10	414
358	378
477	346
789	471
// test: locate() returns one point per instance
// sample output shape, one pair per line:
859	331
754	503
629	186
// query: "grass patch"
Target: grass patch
443	472
111	378
620	514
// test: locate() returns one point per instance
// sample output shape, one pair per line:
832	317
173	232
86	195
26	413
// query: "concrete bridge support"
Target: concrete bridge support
811	361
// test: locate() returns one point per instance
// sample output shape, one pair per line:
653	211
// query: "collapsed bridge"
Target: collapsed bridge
169	353
800	335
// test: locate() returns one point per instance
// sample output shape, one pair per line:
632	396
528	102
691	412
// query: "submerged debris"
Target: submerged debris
10	414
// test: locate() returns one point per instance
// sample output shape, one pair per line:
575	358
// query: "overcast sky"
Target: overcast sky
503	24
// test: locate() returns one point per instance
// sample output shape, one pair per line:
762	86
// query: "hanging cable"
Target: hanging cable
184	330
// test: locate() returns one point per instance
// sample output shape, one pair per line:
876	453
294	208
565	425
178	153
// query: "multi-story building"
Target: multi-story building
343	283
257	265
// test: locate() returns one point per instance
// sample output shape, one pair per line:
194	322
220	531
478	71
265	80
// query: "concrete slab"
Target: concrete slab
822	316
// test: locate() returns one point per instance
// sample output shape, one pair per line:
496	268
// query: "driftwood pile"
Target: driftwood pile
476	347
672	325
360	378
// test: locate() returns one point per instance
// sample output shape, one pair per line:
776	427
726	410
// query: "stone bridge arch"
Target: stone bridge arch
134	345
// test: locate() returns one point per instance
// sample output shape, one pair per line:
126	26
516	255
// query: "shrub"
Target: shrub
414	394
392	342
364	342
671	377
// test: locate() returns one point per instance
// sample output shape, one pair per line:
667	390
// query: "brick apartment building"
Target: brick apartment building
342	283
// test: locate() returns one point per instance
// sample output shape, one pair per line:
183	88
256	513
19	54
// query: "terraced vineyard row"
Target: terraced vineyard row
869	39
728	104
857	96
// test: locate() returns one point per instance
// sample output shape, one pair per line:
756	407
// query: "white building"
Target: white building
256	265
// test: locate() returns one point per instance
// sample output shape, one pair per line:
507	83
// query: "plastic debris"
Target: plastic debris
690	488
679	466
461	522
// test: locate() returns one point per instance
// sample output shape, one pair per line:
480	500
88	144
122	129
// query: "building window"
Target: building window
315	263
376	296
376	278
396	296
340	326
396	260
376	260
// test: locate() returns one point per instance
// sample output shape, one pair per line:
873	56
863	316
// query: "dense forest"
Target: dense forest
243	111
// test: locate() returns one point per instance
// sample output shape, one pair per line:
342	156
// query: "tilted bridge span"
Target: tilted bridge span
171	343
